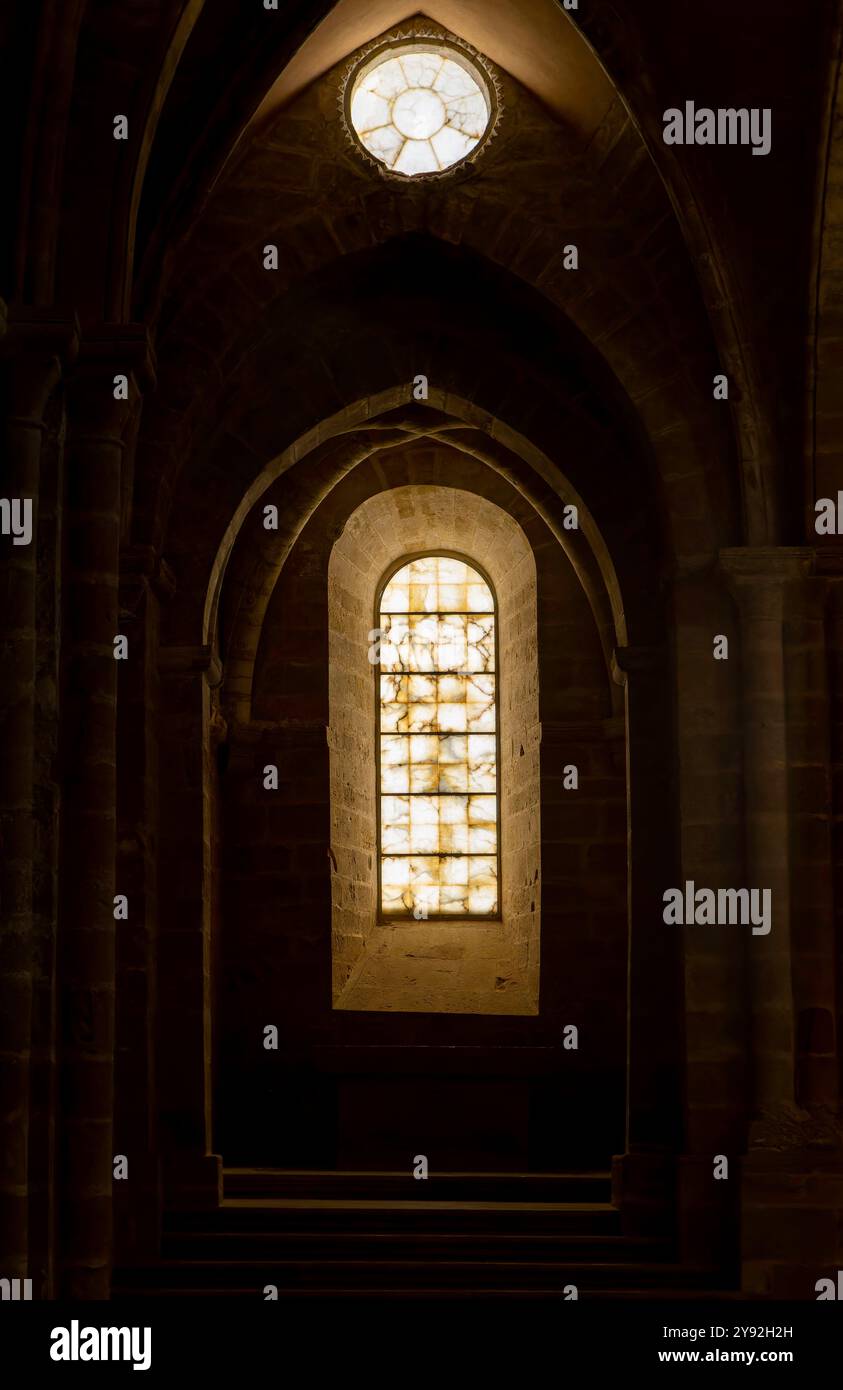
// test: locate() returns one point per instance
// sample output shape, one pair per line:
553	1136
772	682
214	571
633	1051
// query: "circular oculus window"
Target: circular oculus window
419	110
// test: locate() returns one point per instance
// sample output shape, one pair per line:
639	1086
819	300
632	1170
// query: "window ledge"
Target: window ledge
469	967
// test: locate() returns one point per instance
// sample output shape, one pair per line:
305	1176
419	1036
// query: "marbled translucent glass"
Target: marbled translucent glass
438	741
419	112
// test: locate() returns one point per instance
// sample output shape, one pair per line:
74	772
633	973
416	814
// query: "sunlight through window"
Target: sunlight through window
438	742
419	112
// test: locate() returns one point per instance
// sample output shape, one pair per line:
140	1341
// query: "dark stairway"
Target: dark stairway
388	1235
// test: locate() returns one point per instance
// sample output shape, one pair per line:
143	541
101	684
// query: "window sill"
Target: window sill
462	967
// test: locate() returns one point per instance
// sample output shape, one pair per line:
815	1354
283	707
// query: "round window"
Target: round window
419	109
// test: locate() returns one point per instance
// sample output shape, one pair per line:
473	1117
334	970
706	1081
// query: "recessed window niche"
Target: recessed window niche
486	963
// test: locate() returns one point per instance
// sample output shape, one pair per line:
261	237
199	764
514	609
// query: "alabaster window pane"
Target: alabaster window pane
368	111
438	832
412	880
393	717
417	587
395	597
424	839
421	69
422	689
480	719
467	114
483	886
479	598
454	81
384	143
481	839
480	643
418	113
449	145
388	80
451	597
395	839
419	652
392	900
416	157
452	718
454	839
455	871
482	763
451	689
393	630
421	719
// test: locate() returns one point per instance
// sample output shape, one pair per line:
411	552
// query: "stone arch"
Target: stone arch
584	546
379	533
646	352
276	875
438	456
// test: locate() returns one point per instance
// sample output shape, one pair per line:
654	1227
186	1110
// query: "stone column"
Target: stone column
31	353
834	567
710	761
810	643
759	579
643	1176
144	583
95	447
789	1191
192	1174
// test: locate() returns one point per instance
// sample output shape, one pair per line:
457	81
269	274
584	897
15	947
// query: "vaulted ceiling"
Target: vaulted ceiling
691	258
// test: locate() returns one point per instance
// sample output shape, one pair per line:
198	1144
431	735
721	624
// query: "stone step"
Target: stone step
447	1186
398	1245
674	1292
430	1215
387	1277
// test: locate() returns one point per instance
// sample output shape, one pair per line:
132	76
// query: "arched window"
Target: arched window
438	848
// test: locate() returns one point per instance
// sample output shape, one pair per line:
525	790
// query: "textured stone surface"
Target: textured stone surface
547	386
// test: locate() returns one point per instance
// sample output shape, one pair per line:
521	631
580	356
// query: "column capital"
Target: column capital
637	661
106	351
559	734
119	347
44	332
37	346
830	561
191	661
777	564
142	562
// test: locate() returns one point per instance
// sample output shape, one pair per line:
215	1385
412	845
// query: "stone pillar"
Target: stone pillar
97	427
759	579
815	971
791	1175
643	1176
192	1174
31	354
144	583
834	567
710	759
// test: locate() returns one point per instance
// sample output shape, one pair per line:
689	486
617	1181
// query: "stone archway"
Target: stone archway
654	1073
281	854
484	967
